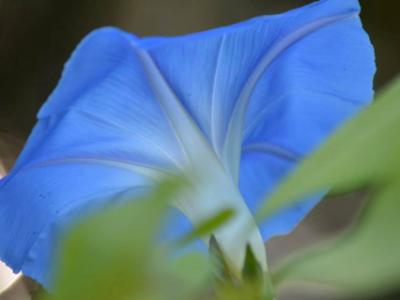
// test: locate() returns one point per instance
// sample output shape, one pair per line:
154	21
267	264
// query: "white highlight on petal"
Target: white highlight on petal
214	123
271	149
234	135
212	190
147	171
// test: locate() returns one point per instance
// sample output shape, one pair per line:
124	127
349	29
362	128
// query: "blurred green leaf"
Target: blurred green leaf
252	269
113	255
194	270
365	261
208	226
255	279
252	284
248	289
365	151
223	271
244	291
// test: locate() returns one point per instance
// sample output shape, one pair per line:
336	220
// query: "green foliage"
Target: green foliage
251	284
209	226
252	269
115	255
366	152
365	261
223	271
112	255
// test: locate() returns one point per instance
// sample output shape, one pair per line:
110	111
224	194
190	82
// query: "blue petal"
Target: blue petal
257	96
310	89
100	133
39	202
271	102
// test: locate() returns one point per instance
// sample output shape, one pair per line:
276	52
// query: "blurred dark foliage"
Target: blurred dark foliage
37	37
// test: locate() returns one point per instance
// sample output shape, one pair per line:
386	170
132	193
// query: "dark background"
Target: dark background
37	36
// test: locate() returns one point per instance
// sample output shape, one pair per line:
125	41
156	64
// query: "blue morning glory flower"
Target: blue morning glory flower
234	108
